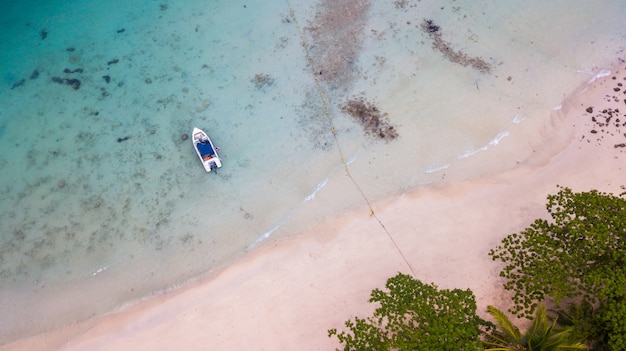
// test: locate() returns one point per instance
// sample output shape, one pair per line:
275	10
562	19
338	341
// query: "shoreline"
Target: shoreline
294	289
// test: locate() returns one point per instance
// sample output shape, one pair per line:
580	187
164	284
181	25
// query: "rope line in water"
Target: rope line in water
318	86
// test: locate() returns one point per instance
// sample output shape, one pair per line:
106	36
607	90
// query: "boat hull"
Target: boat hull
206	151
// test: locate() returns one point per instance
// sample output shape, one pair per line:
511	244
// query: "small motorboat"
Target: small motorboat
205	150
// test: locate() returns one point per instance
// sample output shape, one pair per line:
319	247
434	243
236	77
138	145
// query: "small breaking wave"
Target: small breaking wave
433	169
493	142
601	74
318	187
518	119
99	270
290	214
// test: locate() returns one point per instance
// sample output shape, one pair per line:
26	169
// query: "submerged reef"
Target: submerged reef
261	80
369	116
18	84
74	83
336	32
434	32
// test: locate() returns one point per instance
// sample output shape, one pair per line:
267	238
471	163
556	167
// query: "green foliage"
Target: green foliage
543	335
580	253
586	325
416	316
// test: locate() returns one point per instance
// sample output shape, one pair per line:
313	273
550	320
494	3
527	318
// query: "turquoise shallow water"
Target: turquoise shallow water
103	202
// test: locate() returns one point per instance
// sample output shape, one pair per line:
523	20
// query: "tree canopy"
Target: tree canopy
579	254
416	316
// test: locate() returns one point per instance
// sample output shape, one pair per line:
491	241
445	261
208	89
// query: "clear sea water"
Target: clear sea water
102	202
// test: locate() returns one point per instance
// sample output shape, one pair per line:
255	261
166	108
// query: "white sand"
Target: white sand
285	295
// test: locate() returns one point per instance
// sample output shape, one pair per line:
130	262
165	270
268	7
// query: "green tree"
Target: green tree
416	316
587	324
580	254
543	334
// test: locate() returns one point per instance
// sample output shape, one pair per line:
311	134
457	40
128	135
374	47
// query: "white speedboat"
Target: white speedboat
205	149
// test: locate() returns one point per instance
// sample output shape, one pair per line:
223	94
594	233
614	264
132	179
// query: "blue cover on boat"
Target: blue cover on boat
205	148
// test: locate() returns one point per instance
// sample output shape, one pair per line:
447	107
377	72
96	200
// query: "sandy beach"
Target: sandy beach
285	294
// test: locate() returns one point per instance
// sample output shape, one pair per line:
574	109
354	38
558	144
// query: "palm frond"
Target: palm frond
506	329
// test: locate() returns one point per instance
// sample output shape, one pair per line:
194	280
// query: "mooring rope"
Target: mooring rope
318	86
